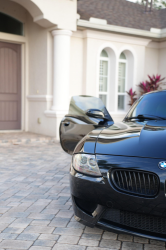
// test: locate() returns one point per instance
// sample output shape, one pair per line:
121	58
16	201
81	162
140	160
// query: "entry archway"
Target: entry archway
35	11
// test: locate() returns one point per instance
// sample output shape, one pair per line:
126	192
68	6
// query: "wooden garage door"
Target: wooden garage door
10	86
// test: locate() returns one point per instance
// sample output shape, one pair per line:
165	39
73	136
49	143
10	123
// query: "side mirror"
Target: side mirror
96	113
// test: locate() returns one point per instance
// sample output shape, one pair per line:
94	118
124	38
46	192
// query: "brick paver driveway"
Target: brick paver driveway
35	207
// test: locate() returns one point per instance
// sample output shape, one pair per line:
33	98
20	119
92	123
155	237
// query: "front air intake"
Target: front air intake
135	182
136	222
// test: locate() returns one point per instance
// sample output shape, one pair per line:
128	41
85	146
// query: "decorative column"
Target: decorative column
61	69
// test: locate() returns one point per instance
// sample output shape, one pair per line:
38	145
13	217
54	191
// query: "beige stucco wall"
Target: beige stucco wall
162	61
63	13
49	13
149	58
151	61
37	49
85	49
84	62
155	60
47	125
39	57
40	50
76	65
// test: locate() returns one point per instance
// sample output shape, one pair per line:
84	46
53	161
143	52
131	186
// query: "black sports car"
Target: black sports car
117	174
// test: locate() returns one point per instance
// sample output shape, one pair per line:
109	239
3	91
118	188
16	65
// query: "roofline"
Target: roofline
154	34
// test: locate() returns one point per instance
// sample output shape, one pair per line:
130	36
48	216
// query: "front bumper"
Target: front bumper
92	197
89	221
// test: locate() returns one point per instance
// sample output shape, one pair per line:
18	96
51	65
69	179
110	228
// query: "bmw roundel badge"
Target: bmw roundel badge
162	165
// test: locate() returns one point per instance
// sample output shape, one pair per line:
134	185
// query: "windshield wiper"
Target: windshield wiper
149	117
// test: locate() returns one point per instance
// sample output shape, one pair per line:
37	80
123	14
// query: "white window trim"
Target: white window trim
104	93
120	93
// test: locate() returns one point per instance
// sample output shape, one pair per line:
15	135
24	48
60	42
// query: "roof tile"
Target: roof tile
122	13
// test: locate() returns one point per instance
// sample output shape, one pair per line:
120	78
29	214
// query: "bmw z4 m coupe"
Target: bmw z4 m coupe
118	170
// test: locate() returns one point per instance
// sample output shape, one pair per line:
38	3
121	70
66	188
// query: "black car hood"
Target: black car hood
140	139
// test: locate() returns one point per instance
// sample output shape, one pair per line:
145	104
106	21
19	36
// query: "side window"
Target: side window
122	81
103	77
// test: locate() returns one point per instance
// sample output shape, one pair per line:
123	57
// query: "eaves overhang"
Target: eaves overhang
154	34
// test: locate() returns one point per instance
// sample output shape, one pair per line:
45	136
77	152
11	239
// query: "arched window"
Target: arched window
10	25
103	77
122	81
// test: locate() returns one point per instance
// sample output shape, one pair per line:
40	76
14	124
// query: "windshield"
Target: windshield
153	104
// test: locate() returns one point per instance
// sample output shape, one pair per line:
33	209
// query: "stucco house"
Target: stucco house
51	50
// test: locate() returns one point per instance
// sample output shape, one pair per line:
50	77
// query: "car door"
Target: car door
86	113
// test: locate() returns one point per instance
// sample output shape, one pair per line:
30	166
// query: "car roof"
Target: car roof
153	92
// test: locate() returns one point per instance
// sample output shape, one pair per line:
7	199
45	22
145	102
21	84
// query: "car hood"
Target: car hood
139	139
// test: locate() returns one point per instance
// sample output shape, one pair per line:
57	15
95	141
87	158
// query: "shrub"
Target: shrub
132	96
152	84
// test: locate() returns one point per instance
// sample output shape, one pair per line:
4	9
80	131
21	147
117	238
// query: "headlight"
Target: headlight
87	164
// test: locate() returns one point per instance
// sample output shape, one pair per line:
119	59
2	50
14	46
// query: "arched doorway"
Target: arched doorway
10	75
10	86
